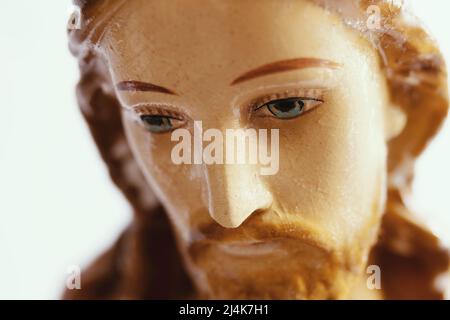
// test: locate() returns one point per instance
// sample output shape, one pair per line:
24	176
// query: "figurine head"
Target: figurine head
350	103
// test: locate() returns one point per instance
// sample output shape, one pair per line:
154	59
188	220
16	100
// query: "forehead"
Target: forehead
176	42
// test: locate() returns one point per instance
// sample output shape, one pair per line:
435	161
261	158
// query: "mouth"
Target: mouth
251	248
260	236
262	255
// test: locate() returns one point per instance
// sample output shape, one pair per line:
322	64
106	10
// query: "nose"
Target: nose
235	191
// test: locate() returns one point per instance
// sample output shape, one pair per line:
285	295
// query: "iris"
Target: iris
286	108
157	124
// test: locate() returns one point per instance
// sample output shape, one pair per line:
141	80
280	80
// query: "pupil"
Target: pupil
287	108
153	121
156	123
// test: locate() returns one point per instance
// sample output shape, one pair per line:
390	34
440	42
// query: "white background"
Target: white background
57	205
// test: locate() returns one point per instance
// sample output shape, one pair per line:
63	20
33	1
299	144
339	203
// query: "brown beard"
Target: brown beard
303	264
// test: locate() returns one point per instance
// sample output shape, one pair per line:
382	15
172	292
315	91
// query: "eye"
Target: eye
288	108
160	124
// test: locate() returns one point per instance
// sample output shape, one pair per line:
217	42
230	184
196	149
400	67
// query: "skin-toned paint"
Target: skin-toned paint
306	231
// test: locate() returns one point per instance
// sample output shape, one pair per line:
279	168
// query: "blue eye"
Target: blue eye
286	108
158	124
289	108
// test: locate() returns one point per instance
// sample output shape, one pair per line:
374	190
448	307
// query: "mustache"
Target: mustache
263	226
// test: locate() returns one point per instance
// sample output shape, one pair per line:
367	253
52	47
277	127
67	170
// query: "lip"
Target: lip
249	248
258	235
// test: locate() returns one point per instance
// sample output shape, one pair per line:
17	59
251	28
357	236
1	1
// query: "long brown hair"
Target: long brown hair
409	254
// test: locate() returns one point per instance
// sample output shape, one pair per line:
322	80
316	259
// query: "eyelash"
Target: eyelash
145	110
305	94
309	94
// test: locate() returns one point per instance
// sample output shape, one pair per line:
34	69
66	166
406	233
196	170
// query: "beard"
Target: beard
295	265
282	269
271	258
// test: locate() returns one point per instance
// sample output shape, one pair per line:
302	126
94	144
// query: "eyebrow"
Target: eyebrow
286	65
142	86
270	68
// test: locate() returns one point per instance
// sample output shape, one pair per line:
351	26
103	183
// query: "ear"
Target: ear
395	121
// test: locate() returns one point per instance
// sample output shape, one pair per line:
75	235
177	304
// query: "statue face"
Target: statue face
303	232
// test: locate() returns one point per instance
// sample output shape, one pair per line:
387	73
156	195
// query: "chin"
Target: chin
276	269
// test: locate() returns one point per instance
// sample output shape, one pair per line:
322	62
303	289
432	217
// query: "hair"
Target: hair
410	255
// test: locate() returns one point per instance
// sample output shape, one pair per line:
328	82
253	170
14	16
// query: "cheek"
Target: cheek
330	165
178	187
